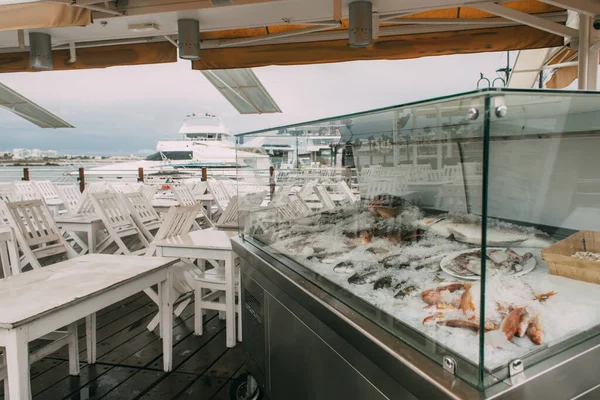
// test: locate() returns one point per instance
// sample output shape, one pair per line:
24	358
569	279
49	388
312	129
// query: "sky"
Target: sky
126	110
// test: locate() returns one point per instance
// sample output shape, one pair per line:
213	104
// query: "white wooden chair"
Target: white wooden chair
220	195
9	253
281	196
178	220
346	191
293	209
48	191
122	231
26	190
200	188
149	191
143	214
85	205
38	236
127	187
210	292
185	197
324	198
8	193
70	195
229	187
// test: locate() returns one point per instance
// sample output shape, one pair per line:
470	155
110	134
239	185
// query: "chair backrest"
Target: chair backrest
219	193
229	187
229	217
36	232
70	196
149	191
47	190
281	196
26	190
8	192
324	198
200	188
177	221
306	189
345	189
119	224
184	195
127	187
142	212
140	206
111	209
9	254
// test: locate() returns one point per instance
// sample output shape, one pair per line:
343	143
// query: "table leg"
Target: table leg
90	338
73	349
17	363
91	234
166	320
230	300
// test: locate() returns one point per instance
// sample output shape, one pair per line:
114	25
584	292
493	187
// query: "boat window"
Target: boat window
170	155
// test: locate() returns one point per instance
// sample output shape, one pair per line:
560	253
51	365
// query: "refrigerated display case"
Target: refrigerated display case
421	265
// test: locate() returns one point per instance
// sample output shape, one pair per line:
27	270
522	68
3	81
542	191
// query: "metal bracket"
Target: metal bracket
515	367
449	364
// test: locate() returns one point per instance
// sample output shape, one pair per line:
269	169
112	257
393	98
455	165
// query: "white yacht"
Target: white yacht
205	142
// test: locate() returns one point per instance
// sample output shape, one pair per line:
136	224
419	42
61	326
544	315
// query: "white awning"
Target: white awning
14	102
243	90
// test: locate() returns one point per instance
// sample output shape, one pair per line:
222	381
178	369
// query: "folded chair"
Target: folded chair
143	214
124	237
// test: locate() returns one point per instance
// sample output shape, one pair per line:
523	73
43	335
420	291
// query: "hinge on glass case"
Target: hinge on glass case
515	367
449	364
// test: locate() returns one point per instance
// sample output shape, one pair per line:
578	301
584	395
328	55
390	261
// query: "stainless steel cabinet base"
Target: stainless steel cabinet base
302	343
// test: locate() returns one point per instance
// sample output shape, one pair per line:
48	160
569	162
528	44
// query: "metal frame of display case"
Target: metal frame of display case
277	300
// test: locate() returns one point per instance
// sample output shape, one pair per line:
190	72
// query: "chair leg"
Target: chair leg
154	323
181	307
222	314
198	315
230	301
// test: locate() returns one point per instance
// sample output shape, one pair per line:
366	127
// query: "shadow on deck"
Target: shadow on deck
129	361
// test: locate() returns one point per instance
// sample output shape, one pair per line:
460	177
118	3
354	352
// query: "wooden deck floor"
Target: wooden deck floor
130	360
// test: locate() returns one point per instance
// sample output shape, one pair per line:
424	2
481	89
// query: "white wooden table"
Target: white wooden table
89	224
162	205
207	244
43	300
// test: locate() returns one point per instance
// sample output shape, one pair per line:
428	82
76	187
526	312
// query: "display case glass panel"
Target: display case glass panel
387	217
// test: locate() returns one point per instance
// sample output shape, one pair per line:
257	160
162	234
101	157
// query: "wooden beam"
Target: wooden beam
143	7
527	19
388	47
337	10
96	57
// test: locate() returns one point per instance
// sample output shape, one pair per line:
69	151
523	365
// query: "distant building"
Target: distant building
24	154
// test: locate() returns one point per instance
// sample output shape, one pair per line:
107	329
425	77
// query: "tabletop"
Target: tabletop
205	238
30	295
77	219
205	197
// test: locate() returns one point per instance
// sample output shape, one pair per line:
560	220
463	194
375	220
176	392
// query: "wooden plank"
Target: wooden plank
130	341
398	47
204	388
103	384
171	386
134	386
110	329
71	384
36	369
227	365
96	57
202	360
192	344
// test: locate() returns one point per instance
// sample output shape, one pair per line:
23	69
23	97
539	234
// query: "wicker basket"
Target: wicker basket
560	262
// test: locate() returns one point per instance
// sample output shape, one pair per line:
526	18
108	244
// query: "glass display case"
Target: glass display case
466	226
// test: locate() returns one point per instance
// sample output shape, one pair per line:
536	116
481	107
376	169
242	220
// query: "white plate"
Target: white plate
444	264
